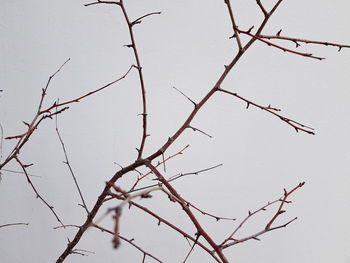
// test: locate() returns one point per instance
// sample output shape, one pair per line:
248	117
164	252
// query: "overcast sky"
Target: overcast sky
187	47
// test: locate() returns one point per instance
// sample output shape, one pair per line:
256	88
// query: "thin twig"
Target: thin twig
217	218
192	248
36	192
175	177
132	189
283	202
195	173
1	140
196	129
268	226
168	223
234	25
103	2
82	252
191	216
296	125
141	162
262	8
130	241
250	214
24	137
138	20
70	168
258	37
214	89
141	79
306	41
14	224
55	105
19	172
185	96
44	91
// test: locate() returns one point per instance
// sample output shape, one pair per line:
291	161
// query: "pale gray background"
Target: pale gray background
185	47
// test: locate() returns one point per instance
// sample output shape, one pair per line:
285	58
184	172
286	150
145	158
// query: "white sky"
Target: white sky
186	47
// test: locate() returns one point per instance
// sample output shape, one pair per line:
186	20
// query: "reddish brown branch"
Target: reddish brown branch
139	20
258	37
185	207
228	68
296	125
226	243
262	8
55	105
44	91
250	214
95	209
142	84
168	223
141	162
138	67
306	41
103	2
283	201
24	137
234	25
43	114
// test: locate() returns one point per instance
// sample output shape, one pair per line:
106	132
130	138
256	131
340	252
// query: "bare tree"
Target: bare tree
148	170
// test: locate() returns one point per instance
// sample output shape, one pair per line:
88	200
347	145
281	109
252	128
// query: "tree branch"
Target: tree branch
23	166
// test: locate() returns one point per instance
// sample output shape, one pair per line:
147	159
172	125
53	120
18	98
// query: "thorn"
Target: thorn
146	195
250	29
26	123
279	32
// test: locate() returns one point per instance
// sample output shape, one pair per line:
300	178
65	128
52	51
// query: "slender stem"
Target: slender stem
234	25
185	207
142	83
